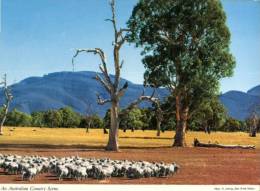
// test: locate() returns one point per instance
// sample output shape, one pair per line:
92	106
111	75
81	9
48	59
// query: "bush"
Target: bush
17	118
38	119
53	118
69	117
232	125
93	121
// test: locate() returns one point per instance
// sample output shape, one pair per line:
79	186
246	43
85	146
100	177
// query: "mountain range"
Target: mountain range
240	105
78	90
74	89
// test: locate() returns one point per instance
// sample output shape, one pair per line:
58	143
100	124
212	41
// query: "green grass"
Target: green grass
76	136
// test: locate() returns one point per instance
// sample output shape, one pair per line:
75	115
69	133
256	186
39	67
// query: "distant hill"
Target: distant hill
74	89
254	91
240	104
78	89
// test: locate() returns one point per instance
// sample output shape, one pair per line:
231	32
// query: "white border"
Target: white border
83	187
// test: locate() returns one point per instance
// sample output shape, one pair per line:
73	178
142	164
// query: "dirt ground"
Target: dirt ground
198	165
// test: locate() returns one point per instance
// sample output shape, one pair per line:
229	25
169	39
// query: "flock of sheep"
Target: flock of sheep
81	168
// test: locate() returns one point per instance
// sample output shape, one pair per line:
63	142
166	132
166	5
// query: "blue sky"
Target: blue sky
39	37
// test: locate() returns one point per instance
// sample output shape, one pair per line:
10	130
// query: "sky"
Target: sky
38	37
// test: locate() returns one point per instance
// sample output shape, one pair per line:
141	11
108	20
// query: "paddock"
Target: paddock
197	165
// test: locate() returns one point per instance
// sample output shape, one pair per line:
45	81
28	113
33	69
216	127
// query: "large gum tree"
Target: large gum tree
185	48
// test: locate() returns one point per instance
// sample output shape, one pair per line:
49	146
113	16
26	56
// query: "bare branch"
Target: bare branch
7	90
140	99
122	63
102	56
120	37
122	30
102	101
103	82
110	20
143	92
122	90
153	93
113	20
95	51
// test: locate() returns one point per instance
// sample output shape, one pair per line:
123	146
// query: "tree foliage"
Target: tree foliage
69	117
185	48
211	114
133	120
17	118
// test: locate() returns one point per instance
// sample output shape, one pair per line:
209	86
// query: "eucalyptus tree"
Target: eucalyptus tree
211	115
185	48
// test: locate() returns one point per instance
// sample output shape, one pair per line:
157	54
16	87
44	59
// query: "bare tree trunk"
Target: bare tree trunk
181	124
158	127
112	144
8	98
4	118
179	138
252	132
253	125
159	118
88	126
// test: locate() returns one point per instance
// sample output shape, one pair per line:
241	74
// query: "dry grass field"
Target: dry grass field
96	138
198	165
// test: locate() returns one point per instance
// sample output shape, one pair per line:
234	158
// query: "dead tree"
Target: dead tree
253	125
112	86
197	143
89	116
8	98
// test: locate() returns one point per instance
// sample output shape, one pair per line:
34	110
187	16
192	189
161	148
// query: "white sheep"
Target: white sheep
29	173
81	168
62	172
81	173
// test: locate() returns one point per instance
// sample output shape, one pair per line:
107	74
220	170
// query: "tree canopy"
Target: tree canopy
185	48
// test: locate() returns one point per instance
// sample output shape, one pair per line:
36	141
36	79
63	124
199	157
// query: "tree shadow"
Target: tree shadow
163	138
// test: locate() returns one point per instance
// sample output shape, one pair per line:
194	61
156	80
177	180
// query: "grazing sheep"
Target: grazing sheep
12	168
81	173
29	173
148	172
62	172
75	167
135	172
107	171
